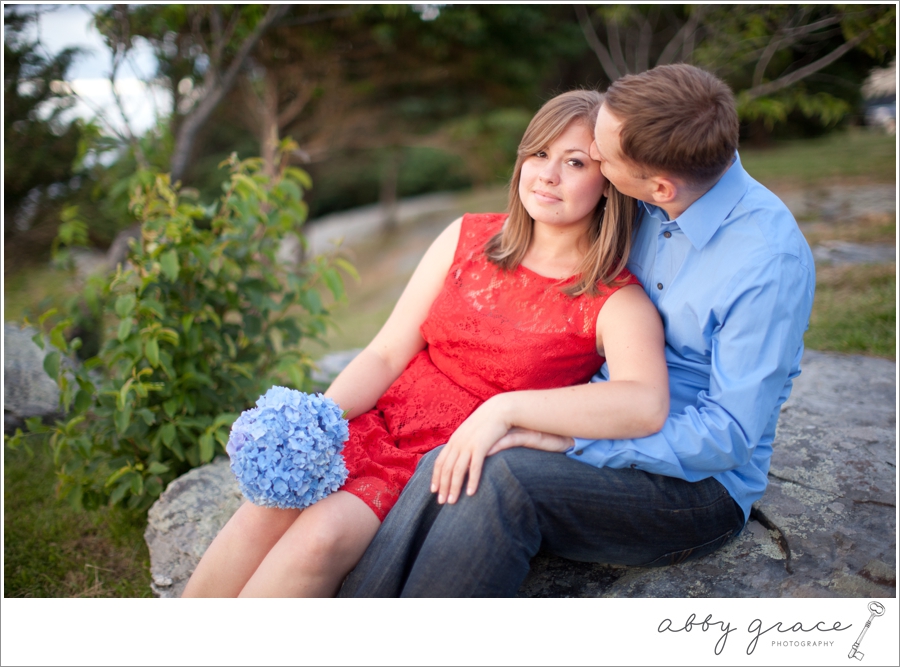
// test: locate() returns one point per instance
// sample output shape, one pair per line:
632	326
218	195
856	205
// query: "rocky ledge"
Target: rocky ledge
826	526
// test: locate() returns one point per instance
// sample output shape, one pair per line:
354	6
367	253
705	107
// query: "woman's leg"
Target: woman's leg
317	551
238	549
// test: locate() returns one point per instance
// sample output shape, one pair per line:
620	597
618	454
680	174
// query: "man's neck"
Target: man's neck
686	196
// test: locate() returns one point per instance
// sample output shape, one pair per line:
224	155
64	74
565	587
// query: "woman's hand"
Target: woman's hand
486	432
467	449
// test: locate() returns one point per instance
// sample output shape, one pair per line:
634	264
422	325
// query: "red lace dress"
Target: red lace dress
488	331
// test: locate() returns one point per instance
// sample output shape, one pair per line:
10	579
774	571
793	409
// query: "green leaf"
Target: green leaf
125	305
167	432
124	330
168	262
171	406
151	350
83	400
153	486
147	415
123	419
334	282
51	364
157	468
120	490
57	337
186	322
207	447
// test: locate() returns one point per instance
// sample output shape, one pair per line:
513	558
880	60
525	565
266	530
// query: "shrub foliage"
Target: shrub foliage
199	322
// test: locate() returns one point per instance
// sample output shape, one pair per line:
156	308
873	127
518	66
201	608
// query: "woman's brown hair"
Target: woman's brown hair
610	233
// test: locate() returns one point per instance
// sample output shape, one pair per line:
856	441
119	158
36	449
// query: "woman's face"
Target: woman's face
562	184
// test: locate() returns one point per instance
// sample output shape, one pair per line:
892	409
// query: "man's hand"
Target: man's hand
523	437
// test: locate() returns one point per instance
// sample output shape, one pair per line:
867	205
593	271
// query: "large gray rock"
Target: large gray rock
825	527
182	523
27	389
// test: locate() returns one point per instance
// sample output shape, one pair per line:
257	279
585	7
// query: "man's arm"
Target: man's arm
758	335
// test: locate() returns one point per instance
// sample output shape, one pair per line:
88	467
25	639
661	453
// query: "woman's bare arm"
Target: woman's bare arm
634	403
368	376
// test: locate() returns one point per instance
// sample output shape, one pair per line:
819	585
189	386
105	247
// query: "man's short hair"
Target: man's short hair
676	119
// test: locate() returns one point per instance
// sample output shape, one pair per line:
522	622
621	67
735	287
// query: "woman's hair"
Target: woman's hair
610	233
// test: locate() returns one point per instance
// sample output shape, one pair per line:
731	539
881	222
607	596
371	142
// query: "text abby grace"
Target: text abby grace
755	629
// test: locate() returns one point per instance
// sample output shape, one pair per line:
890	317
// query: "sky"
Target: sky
65	25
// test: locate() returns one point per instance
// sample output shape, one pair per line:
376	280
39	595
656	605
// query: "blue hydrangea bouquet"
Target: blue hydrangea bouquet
286	452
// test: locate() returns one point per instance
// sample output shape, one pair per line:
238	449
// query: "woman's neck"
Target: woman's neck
556	252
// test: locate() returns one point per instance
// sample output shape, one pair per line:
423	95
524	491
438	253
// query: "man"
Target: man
733	278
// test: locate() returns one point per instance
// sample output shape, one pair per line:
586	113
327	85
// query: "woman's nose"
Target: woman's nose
550	173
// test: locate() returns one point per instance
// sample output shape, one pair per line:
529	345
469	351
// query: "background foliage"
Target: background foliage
201	321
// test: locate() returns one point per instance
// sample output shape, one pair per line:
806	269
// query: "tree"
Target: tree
776	57
200	50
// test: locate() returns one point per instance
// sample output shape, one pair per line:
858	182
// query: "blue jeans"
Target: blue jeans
527	499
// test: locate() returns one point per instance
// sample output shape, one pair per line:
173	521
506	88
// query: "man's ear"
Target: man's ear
664	190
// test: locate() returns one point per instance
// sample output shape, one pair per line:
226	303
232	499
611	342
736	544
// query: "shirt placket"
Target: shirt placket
665	265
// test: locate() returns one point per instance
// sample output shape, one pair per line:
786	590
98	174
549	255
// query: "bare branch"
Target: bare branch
293	109
590	35
797	75
642	54
195	119
689	28
615	47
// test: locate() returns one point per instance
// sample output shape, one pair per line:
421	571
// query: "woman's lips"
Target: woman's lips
545	196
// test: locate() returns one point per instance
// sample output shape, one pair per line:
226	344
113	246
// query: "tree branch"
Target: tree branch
198	116
689	28
615	46
797	75
590	35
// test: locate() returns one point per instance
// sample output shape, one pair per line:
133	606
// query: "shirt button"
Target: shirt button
658	285
579	452
634	466
668	235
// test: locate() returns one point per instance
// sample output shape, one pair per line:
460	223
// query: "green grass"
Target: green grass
855	310
852	155
51	550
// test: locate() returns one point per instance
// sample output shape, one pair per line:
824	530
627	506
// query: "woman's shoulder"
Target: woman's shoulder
478	228
484	222
622	279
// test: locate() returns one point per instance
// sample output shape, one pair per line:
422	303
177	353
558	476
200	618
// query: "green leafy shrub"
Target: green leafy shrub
199	323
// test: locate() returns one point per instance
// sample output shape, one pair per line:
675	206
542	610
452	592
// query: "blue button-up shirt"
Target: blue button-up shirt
733	279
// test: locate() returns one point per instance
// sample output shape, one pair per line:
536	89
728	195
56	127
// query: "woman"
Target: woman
501	313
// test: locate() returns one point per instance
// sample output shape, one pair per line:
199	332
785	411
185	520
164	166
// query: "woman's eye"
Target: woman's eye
541	154
576	163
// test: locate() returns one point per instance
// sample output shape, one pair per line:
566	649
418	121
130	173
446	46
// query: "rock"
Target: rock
845	252
824	528
28	390
182	523
330	365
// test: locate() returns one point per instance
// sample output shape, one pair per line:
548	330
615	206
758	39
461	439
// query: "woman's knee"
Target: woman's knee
254	520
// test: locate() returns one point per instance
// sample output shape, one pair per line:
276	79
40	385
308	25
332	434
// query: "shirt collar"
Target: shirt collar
704	217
